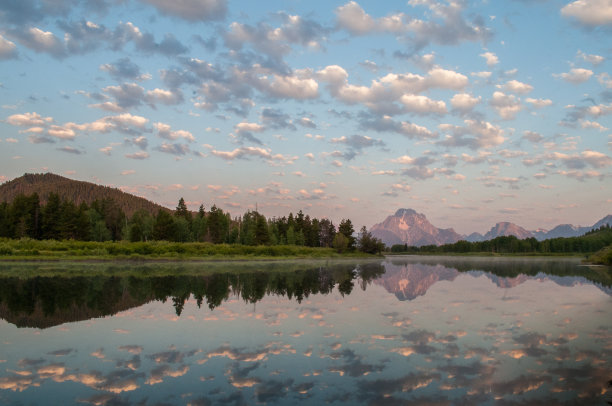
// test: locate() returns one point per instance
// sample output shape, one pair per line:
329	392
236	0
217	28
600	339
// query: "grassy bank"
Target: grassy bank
28	249
602	257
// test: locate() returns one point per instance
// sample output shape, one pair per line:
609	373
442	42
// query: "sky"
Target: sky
470	112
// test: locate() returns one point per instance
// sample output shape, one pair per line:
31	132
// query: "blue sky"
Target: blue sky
469	112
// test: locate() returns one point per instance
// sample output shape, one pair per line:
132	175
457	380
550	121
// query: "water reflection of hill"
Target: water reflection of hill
410	277
46	301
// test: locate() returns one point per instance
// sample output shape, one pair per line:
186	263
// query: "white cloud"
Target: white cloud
404	160
474	134
28	119
532	136
591	158
128	119
592	124
175	149
165	131
507	106
539	103
248	127
126	123
43	41
590	12
591	58
581	175
8	49
400	187
464	101
298	86
390	88
446	25
446	79
482	75
491	58
576	75
599	110
138	155
164	96
423	104
514	86
108	106
245	152
605	80
61	132
354	19
385	172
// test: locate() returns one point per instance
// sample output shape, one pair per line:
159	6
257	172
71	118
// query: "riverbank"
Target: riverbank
52	250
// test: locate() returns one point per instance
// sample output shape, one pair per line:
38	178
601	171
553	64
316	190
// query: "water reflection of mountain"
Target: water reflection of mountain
408	281
410	277
44	302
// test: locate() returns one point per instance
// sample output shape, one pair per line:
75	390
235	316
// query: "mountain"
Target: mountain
73	190
562	230
505	229
604	221
475	237
407	226
569	230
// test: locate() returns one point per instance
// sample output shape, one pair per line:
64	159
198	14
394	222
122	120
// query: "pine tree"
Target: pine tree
51	218
182	211
346	228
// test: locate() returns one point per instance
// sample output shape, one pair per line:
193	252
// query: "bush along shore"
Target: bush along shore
29	249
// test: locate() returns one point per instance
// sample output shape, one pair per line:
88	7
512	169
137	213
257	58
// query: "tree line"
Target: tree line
592	241
104	220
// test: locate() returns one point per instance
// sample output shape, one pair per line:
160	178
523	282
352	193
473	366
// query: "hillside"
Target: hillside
73	190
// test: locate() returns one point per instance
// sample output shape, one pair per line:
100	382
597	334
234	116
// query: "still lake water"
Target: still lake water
404	330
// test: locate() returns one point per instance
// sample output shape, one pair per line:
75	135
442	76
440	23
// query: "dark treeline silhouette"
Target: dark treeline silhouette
592	241
47	301
104	220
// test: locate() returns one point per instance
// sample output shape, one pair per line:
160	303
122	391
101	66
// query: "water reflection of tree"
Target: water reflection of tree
47	301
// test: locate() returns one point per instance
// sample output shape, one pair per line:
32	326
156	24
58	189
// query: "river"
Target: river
403	330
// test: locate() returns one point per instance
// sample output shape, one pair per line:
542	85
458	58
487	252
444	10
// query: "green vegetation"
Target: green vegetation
590	242
92	250
602	257
61	229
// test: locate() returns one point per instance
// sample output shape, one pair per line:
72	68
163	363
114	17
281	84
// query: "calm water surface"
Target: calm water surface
405	330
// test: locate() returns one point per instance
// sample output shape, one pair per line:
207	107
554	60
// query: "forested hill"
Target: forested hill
74	191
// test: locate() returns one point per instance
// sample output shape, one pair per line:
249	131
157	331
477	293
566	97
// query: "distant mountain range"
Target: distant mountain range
407	226
74	191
